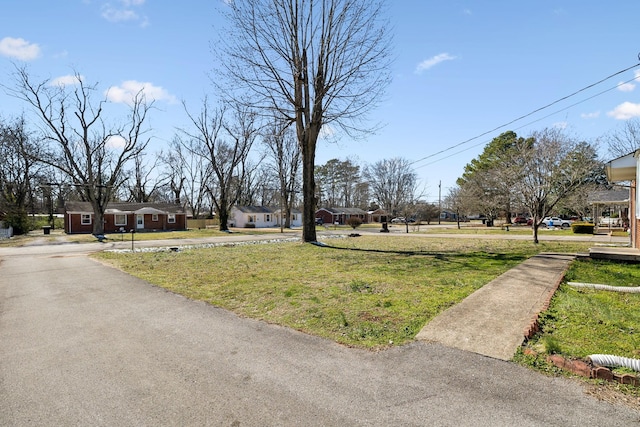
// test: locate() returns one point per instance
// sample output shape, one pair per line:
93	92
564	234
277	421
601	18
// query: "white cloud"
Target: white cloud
128	90
19	48
629	86
625	111
433	61
68	80
116	141
593	115
118	15
626	87
123	11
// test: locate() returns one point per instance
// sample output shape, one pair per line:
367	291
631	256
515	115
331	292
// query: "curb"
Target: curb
590	370
534	326
577	367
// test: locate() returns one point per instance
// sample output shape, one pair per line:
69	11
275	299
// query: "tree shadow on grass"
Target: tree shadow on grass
440	255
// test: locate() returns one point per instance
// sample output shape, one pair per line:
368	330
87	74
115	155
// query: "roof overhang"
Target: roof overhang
148	210
623	168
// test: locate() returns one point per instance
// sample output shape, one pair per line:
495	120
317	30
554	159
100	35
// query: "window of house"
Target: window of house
120	219
86	219
171	218
267	217
293	217
252	218
154	217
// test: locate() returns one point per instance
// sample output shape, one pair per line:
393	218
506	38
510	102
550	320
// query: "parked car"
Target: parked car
319	221
554	221
398	220
520	220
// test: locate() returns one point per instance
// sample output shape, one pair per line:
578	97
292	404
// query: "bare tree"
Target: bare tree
454	201
284	152
186	175
224	144
89	152
486	192
311	63
551	169
19	172
624	140
145	183
393	184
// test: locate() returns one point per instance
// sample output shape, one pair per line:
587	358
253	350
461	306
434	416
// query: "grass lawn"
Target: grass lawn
580	321
520	230
369	291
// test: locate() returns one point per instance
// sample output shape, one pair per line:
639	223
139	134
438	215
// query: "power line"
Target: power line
524	125
528	114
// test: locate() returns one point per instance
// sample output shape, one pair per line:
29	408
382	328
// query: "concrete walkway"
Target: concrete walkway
492	321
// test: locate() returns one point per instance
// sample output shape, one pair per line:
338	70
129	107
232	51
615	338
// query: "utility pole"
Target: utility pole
439	200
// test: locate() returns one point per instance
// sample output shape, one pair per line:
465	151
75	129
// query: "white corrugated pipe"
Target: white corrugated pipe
629	289
615	361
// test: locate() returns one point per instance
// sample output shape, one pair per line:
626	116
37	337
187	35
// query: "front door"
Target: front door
139	221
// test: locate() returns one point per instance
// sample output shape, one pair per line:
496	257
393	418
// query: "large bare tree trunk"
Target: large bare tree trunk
307	62
308	188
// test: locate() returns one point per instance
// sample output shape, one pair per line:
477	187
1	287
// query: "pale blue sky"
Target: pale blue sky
462	68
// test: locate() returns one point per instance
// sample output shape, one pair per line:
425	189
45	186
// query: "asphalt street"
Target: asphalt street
84	344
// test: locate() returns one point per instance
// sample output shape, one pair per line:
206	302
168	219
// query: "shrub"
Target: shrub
354	222
19	221
250	225
582	227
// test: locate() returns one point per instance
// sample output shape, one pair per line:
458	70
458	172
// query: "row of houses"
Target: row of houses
124	217
166	217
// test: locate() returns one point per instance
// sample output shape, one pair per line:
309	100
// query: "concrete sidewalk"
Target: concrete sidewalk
492	321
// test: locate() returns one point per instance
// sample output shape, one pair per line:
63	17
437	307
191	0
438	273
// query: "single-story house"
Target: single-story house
627	168
261	217
340	215
448	215
379	215
124	216
616	202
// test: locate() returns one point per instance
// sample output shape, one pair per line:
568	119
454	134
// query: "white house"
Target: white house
627	168
260	217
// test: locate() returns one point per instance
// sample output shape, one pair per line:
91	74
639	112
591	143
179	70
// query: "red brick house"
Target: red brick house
340	215
78	217
627	168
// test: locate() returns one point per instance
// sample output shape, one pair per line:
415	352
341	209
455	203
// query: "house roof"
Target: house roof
126	207
349	211
255	209
378	211
619	197
623	168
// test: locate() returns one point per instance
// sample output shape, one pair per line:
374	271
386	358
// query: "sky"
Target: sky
463	71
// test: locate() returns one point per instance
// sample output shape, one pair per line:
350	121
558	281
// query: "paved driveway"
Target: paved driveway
84	344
